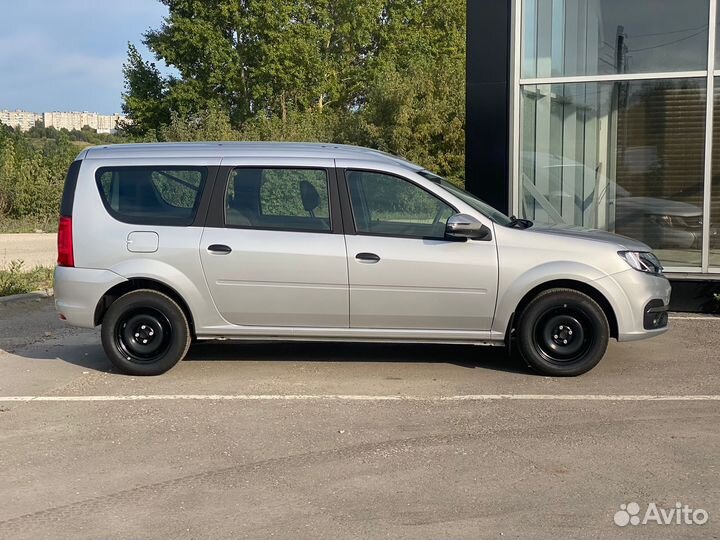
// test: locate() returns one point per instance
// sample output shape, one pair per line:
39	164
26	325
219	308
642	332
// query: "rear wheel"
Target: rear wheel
145	332
562	332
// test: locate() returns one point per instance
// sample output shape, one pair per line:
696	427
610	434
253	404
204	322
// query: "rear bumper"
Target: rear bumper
637	296
78	291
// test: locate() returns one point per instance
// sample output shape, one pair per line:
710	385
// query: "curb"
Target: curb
26	296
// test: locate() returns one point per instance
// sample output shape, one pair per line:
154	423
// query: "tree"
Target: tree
415	103
145	96
32	175
384	73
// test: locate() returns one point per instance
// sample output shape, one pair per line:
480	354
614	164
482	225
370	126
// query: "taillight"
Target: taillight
65	242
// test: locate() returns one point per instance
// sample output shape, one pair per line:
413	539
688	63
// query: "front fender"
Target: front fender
514	288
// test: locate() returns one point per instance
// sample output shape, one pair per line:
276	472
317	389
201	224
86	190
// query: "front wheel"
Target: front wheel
145	332
562	332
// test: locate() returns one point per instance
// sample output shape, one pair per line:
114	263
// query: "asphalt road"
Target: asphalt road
34	249
352	441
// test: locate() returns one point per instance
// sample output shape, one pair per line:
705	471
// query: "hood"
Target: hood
658	207
568	231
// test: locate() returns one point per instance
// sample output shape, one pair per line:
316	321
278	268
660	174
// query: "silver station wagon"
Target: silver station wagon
163	244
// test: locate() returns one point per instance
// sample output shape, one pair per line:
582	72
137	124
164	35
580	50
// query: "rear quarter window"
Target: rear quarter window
152	195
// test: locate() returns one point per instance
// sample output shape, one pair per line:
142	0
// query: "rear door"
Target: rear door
273	251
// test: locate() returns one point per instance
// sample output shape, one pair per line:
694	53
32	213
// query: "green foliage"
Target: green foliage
33	166
382	73
211	124
31	177
85	135
280	193
142	100
388	198
387	74
178	188
17	280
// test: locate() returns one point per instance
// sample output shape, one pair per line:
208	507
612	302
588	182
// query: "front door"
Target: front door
403	273
277	256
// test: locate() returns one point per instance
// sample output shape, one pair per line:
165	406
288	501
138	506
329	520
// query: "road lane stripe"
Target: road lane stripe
350	397
691	318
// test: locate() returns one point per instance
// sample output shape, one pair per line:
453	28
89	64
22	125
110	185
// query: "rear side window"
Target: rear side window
152	195
283	199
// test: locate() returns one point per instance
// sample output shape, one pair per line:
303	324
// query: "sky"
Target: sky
67	55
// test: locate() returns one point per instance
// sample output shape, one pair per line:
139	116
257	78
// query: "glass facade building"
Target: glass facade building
614	121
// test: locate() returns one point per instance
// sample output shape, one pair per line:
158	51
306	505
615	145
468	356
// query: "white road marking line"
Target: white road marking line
690	318
345	397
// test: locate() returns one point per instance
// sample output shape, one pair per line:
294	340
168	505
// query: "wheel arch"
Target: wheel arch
133	284
579	286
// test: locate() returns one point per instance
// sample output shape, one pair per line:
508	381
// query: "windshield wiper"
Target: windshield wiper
520	223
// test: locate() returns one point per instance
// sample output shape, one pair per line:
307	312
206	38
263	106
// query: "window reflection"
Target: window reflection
621	156
715	197
591	37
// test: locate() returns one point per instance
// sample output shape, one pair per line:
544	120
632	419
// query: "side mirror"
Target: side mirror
464	226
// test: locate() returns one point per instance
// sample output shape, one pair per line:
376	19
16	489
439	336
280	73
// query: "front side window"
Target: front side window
283	199
152	195
387	205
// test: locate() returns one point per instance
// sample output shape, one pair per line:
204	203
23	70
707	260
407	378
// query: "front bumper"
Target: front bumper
78	291
638	298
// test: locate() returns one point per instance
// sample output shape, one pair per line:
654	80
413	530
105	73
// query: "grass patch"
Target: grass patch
27	225
16	279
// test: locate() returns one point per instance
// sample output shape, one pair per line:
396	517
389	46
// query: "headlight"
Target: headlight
677	222
642	261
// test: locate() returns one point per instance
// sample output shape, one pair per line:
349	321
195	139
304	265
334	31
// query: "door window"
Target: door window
387	205
283	199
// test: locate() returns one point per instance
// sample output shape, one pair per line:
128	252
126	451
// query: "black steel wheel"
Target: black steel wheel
145	332
562	332
143	335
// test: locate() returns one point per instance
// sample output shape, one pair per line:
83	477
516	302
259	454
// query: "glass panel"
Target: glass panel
602	37
284	199
391	206
151	195
177	188
621	156
717	40
715	197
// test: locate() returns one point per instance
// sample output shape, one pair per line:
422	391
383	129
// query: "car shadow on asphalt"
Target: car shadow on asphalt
466	356
91	356
85	355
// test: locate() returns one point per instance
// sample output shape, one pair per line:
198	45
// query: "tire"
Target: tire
562	332
145	332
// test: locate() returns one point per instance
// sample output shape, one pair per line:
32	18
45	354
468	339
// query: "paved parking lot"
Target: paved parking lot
352	441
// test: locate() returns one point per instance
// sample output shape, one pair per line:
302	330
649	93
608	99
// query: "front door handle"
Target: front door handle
367	257
220	249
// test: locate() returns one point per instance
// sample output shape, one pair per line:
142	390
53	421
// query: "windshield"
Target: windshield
479	205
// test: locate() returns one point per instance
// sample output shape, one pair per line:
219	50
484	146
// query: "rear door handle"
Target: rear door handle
220	249
367	257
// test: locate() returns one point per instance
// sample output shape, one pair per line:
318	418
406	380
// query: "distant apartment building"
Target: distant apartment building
101	123
20	119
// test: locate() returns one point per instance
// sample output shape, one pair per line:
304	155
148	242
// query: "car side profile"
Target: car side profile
163	244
